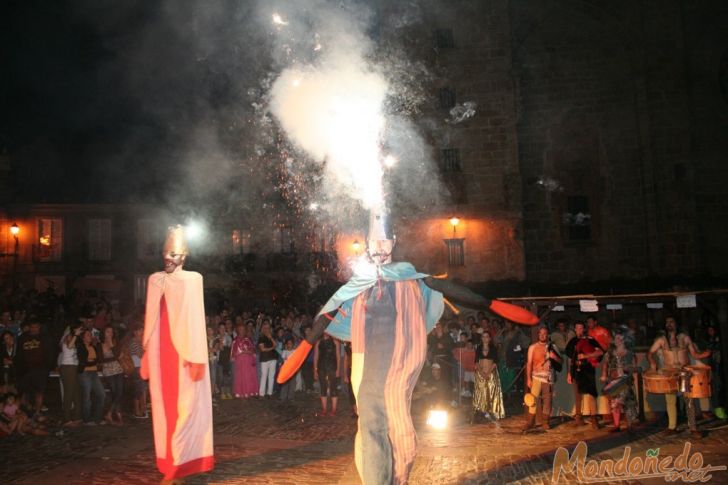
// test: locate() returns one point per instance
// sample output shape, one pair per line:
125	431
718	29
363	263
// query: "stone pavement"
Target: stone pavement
263	442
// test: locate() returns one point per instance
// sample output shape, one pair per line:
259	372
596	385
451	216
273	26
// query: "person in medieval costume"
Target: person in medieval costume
620	361
176	363
585	354
386	311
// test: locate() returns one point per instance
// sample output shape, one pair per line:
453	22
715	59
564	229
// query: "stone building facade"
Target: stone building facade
599	144
597	151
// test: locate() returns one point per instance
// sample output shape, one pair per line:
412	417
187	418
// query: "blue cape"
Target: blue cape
340	327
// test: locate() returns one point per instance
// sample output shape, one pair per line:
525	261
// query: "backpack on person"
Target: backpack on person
127	364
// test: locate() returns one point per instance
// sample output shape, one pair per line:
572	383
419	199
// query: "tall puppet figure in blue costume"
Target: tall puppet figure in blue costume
386	310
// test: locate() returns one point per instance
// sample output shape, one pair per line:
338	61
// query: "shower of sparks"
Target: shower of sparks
278	20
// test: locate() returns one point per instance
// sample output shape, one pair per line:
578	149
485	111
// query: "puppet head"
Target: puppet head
380	238
175	249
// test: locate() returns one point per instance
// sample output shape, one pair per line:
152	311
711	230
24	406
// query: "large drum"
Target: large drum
663	381
615	386
699	381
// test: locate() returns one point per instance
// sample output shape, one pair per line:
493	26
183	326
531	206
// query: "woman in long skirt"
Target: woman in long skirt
242	355
488	397
618	362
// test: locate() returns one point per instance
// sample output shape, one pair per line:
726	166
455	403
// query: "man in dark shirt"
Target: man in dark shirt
585	354
442	392
33	360
440	346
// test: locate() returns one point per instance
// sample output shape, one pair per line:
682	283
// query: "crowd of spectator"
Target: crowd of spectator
96	353
93	355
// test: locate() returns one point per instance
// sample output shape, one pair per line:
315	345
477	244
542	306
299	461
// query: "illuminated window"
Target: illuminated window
282	240
99	239
246	237
237	241
50	240
241	241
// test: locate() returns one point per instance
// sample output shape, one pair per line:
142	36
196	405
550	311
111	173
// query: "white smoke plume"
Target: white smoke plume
461	112
334	112
330	98
549	184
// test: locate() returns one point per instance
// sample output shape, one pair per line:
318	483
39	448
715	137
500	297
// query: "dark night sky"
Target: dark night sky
100	97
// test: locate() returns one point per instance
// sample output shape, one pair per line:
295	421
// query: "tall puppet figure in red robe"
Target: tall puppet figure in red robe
176	364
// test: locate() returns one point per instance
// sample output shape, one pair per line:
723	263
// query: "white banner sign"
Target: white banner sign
686	301
588	305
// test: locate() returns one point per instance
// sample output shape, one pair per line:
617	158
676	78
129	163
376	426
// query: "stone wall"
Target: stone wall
484	191
599	141
605	112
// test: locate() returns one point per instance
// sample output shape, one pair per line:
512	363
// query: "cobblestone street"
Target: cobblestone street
261	441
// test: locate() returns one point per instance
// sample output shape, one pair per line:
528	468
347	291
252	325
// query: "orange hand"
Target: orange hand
197	371
294	362
513	312
144	369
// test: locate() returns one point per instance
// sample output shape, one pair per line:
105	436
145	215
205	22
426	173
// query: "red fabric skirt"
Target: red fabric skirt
170	365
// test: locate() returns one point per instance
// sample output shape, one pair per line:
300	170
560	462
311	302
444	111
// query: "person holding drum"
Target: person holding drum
617	368
585	353
675	349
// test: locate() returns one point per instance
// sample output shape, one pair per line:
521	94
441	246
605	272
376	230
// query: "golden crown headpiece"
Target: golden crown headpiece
176	242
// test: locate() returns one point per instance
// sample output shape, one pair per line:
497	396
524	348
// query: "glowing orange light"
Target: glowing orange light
14	229
356	245
454	221
45	240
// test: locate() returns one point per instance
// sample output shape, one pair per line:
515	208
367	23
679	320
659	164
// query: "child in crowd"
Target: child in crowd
13	418
288	389
467	361
224	375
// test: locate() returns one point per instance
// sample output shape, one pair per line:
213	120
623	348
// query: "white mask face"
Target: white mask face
172	261
380	251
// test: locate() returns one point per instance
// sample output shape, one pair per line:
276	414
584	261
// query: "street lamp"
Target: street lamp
356	245
454	221
455	245
14	230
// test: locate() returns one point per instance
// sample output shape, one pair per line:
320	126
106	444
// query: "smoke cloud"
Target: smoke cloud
219	111
343	101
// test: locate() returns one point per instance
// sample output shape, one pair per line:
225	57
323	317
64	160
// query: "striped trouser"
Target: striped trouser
389	343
